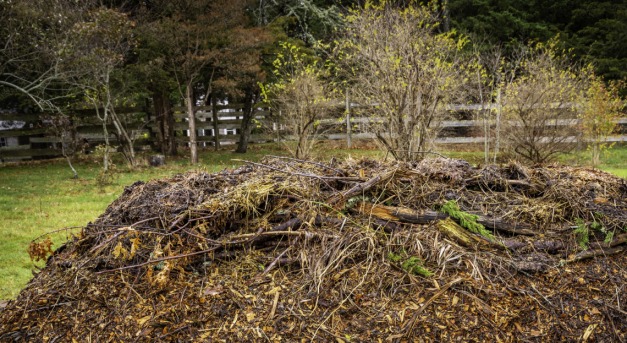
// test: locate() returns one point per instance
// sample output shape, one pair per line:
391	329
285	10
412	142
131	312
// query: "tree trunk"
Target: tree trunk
165	119
189	102
125	139
248	114
216	128
65	152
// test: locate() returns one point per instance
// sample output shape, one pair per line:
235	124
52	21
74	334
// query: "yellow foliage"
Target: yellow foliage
120	252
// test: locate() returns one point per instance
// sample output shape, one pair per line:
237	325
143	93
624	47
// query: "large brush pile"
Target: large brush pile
359	251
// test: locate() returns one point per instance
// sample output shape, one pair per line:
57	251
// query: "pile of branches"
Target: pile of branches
286	250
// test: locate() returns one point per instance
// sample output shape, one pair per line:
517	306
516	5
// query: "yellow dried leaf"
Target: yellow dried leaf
119	251
143	320
135	243
250	316
234	319
588	332
41	250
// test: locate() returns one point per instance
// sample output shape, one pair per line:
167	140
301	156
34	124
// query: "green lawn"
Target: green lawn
39	197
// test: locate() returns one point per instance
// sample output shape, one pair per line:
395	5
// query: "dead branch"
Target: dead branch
340	198
406	215
442	290
584	255
453	231
157	260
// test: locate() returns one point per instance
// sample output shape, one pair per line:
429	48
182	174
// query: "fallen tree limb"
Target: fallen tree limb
407	215
584	255
453	231
399	214
618	240
549	246
509	227
340	198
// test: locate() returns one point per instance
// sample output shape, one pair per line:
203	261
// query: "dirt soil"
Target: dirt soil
353	251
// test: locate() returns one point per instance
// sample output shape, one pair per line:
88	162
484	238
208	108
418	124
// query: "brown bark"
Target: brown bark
453	231
165	119
215	118
597	252
407	215
248	114
189	102
339	199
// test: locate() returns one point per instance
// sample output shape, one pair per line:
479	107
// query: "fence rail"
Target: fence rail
26	136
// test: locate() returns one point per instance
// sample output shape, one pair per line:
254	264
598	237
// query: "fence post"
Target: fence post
499	109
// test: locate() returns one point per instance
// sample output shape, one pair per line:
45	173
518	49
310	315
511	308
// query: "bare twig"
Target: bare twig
321	165
442	290
321	177
159	260
362	187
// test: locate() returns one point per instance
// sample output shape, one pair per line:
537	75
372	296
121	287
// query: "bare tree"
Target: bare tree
540	105
487	81
407	71
601	110
98	49
30	34
300	97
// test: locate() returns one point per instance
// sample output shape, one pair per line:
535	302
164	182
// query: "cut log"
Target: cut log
399	214
407	215
509	227
453	231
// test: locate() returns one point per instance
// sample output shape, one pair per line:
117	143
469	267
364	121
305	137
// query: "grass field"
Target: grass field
39	197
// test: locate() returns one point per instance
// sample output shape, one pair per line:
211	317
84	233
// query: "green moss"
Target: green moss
466	220
582	234
414	265
411	264
394	257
